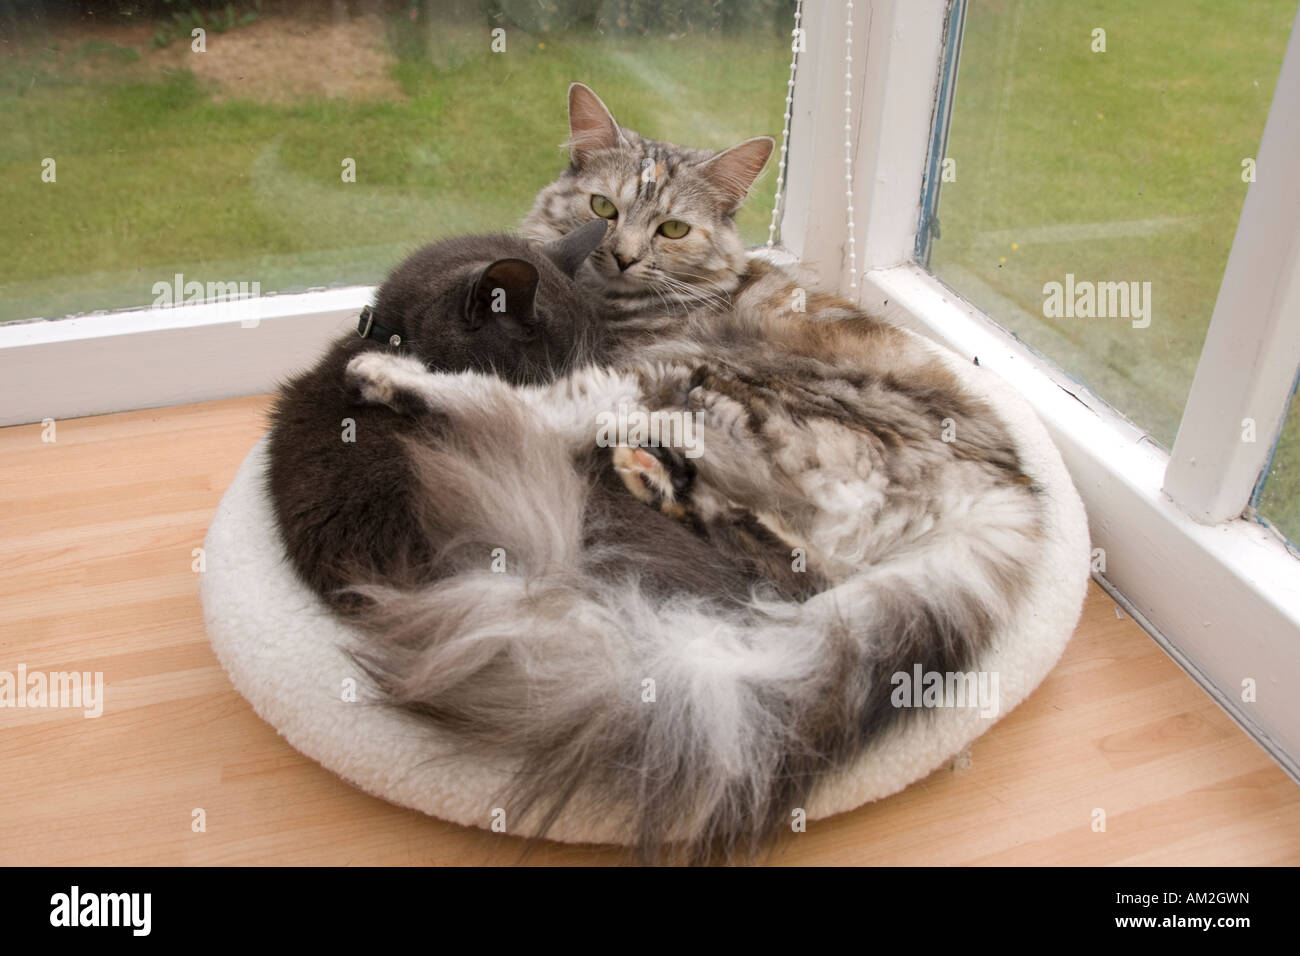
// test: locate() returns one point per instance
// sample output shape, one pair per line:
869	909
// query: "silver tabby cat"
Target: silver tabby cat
672	244
843	450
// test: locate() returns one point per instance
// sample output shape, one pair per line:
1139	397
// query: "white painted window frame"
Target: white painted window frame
1221	594
146	358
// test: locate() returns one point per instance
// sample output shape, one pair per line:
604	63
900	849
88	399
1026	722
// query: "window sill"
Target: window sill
146	358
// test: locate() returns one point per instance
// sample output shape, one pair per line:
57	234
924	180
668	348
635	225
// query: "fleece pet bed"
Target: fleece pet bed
285	653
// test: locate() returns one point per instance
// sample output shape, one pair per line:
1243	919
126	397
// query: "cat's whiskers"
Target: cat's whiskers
712	280
654	287
692	275
709	280
684	298
710	298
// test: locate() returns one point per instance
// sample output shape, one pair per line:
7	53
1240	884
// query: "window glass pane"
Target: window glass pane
1279	501
127	156
1099	154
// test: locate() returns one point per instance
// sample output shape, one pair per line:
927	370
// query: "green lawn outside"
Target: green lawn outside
1050	138
159	175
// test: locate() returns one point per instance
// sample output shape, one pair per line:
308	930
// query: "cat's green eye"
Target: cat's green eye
603	208
673	229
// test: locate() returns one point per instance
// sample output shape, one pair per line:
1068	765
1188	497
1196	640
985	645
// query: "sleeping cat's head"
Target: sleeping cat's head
671	209
495	304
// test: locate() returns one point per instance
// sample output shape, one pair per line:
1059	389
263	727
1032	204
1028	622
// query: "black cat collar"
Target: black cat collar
368	328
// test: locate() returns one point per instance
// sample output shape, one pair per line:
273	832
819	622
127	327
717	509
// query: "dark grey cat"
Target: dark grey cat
352	509
340	484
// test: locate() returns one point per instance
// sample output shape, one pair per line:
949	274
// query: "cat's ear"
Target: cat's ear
503	295
592	126
733	171
571	250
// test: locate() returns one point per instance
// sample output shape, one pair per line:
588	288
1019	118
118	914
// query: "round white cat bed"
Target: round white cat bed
285	652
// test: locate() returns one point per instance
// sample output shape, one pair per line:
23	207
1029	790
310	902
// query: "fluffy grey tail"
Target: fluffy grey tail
700	729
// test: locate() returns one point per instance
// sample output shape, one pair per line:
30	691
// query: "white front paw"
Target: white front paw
378	377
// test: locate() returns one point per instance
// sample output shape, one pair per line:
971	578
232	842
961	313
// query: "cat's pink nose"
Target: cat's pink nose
624	264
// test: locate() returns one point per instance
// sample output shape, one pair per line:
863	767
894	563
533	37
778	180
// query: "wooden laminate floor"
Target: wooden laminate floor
96	534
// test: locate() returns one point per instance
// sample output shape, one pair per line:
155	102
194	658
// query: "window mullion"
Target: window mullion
897	61
893	123
813	225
